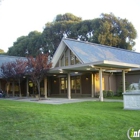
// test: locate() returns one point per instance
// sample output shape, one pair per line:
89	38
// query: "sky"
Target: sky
19	17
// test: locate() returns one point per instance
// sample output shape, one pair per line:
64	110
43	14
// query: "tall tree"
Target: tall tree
107	30
116	32
67	17
28	43
37	68
19	68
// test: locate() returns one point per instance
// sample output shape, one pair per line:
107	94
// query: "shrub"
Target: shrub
97	94
120	89
109	93
104	93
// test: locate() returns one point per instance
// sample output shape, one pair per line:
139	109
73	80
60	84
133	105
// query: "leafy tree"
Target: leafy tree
19	67
25	43
37	68
67	17
13	71
107	30
116	32
6	73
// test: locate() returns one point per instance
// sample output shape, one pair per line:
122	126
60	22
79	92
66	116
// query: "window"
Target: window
68	58
72	58
77	61
62	61
63	82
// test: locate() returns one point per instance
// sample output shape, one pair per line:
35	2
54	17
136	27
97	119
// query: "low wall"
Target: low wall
131	100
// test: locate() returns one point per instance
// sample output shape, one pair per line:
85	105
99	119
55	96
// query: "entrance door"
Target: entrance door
75	84
63	85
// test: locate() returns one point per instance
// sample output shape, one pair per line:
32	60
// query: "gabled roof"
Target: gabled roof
90	52
96	54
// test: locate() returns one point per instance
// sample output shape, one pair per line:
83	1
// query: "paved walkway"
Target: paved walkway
59	100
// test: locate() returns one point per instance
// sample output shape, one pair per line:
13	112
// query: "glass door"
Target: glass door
63	85
75	84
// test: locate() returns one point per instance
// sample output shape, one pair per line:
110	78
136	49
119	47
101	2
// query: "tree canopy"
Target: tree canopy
67	17
107	30
37	68
28	43
14	71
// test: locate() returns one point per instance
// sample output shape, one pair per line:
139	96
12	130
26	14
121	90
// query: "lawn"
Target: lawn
75	121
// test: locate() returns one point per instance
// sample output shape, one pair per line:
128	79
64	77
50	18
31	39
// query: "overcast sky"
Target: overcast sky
19	17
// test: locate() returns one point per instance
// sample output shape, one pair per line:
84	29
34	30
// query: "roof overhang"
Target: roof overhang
95	66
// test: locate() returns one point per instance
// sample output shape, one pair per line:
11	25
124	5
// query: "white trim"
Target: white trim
121	64
92	85
100	83
69	87
123	80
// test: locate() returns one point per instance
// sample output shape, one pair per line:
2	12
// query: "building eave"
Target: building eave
105	64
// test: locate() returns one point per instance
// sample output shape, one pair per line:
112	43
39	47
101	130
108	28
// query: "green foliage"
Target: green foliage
107	93
67	17
116	32
107	30
24	43
120	89
110	93
104	93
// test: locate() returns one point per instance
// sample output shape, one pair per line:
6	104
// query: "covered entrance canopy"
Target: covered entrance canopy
92	57
106	66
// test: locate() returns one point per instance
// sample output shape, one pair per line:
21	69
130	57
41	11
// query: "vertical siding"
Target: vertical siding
113	83
54	85
86	83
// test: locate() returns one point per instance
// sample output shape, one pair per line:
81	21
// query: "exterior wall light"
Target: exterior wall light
87	78
60	71
88	69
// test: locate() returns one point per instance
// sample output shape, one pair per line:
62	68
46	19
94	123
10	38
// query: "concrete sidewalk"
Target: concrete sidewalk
58	100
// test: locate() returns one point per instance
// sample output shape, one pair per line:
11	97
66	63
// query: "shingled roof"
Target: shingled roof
90	52
6	58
